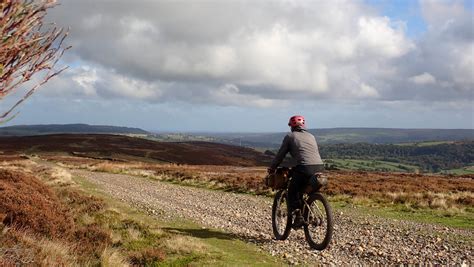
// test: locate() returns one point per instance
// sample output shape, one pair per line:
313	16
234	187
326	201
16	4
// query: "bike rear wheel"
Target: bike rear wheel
281	217
319	227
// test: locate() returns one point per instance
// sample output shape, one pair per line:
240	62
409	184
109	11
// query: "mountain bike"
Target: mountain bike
316	211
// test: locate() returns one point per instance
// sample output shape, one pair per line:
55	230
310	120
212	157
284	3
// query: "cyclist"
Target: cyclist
303	148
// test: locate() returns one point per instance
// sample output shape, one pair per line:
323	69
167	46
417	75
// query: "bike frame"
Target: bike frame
314	216
307	208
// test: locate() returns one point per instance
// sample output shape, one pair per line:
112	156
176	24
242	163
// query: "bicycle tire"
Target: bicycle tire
312	240
281	197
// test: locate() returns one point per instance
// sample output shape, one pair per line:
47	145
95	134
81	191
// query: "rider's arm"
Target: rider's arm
281	153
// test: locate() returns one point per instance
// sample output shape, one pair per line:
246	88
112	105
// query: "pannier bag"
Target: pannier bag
316	182
277	180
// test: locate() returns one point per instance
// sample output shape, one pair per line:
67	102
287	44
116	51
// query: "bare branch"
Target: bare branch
28	47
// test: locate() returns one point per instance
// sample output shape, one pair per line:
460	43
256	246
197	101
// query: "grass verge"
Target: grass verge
451	218
186	242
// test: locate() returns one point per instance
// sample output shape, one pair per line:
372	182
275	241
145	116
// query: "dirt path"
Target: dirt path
358	239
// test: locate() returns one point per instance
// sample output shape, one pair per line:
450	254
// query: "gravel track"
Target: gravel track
358	238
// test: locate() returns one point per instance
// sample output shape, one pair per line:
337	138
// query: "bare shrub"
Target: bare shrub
91	240
147	257
81	203
28	46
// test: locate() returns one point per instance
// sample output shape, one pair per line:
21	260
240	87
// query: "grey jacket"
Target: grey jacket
302	147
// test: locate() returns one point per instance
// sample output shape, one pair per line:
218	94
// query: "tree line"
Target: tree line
432	158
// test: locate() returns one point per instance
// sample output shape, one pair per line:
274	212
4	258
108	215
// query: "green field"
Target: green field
460	171
340	137
178	137
427	143
370	165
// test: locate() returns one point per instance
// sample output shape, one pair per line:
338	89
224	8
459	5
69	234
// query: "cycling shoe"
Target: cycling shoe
298	221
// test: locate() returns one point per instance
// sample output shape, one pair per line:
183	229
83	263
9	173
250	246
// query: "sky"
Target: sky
247	66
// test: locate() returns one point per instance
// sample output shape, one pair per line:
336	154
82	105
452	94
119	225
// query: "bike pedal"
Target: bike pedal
298	226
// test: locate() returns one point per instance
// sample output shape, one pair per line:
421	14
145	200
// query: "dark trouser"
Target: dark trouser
300	175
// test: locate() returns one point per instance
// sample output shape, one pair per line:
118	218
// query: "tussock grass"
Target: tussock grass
186	245
86	219
134	234
60	176
125	168
107	167
53	252
433	200
25	165
23	247
113	258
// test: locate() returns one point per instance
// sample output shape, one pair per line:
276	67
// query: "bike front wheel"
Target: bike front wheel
319	227
281	217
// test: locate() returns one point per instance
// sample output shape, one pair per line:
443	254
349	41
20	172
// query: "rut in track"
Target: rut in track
358	238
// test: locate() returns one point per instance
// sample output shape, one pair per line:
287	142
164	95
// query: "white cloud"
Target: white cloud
424	78
229	94
377	37
367	91
447	50
91	81
86	78
258	52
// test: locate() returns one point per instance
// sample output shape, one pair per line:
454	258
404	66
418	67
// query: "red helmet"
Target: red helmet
296	121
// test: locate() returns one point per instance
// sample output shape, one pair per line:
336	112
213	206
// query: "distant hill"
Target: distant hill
125	148
353	135
28	130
